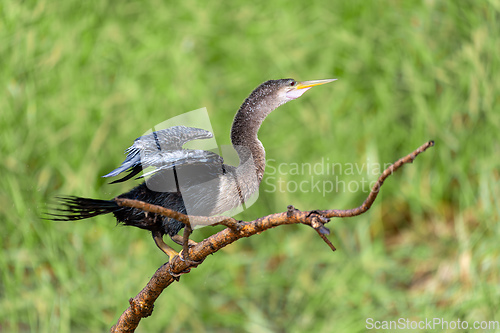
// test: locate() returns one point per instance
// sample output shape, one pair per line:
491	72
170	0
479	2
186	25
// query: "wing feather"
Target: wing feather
163	150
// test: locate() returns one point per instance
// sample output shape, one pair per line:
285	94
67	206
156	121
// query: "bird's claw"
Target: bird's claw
176	276
188	261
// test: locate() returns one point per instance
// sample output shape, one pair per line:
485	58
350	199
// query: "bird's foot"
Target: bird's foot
176	276
187	260
191	263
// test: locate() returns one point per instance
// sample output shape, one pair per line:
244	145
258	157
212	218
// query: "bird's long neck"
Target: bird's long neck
245	127
246	143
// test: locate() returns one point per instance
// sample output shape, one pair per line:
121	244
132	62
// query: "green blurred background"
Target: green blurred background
80	80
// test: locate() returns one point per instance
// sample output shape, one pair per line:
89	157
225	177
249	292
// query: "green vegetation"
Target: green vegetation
80	80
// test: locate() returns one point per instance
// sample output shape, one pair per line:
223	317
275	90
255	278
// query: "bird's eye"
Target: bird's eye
292	83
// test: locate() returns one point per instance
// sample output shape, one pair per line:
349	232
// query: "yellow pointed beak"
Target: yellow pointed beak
309	84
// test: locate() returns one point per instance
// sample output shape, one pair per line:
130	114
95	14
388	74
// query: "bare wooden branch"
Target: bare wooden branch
141	306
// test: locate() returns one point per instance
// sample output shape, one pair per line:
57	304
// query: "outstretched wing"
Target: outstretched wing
163	150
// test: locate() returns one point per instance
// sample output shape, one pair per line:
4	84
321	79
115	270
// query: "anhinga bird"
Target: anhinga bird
193	182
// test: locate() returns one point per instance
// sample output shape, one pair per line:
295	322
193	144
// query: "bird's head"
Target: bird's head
278	92
267	97
256	107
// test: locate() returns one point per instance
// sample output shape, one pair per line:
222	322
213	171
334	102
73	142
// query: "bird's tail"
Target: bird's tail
77	208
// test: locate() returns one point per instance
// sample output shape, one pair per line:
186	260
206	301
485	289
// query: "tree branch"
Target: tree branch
141	306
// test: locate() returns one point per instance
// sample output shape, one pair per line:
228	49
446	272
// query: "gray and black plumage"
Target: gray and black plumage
193	182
